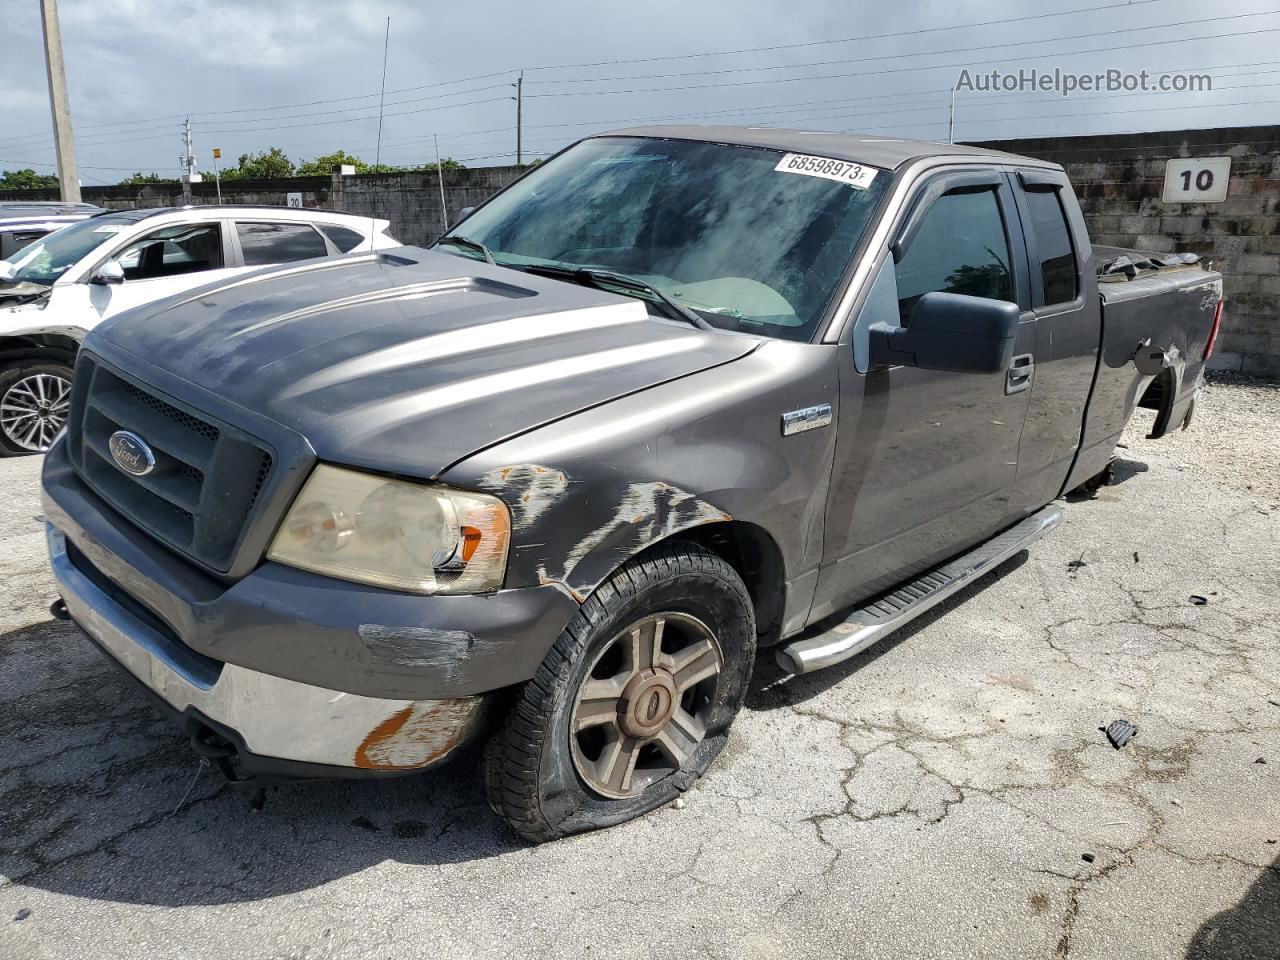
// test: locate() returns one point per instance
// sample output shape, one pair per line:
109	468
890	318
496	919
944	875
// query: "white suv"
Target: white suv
61	286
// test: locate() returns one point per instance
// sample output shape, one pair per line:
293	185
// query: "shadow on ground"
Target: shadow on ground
1248	931
101	798
771	687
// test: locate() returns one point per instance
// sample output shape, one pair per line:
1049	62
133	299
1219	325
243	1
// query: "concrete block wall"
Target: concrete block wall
411	201
1119	179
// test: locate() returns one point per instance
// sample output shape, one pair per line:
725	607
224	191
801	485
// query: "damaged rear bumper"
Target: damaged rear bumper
273	727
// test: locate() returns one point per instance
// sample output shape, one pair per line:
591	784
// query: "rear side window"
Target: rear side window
344	238
264	243
1053	240
959	248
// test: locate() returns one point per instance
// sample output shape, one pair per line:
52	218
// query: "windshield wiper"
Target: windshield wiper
589	276
470	244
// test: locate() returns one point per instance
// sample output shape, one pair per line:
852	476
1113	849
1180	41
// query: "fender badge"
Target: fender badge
809	418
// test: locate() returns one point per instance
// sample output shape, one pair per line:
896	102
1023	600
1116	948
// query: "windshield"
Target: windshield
53	255
735	233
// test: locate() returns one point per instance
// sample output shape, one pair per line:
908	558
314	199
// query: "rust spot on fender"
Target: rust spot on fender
417	735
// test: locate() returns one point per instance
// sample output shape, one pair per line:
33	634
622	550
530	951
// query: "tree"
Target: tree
139	179
27	180
270	164
323	166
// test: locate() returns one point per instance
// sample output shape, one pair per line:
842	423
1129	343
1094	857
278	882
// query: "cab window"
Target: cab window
172	251
1053	243
960	247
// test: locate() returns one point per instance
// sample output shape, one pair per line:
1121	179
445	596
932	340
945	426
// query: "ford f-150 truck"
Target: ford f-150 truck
678	395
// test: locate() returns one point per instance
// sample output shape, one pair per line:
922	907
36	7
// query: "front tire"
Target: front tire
632	703
35	397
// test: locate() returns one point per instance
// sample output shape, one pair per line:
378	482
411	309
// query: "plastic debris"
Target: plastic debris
1075	565
678	803
1135	556
1087	857
1198	600
21	915
1120	732
1261	760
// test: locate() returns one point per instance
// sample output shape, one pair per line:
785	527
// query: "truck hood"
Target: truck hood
409	361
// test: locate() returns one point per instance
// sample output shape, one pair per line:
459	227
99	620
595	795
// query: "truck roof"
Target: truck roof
877	151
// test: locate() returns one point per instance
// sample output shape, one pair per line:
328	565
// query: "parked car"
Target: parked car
25	221
677	395
57	289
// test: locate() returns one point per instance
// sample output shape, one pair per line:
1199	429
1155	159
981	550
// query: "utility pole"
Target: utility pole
188	162
63	139
519	118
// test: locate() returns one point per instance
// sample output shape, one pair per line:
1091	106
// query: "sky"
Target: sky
305	76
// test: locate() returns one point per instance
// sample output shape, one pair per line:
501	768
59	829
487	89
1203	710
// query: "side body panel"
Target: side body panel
590	491
926	461
1066	352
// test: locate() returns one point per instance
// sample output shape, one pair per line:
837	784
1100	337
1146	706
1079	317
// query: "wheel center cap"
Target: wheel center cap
647	703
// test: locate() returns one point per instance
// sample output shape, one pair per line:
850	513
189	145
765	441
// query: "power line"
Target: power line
932	66
668	57
920	53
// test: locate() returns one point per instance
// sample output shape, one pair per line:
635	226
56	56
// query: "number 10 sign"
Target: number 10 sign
1196	180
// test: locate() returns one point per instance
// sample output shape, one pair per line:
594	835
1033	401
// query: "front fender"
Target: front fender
590	491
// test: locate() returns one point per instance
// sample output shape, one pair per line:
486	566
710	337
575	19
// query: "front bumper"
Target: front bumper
265	717
286	666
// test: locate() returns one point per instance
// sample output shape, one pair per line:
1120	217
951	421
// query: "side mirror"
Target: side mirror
462	215
949	331
7	270
109	273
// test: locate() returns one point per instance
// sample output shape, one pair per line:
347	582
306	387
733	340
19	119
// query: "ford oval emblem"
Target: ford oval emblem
131	453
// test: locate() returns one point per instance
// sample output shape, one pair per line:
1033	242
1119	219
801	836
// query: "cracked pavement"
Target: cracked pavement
948	793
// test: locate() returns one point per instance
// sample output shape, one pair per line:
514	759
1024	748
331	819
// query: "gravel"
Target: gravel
1233	441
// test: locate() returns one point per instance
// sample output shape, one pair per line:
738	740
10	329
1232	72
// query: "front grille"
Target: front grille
208	475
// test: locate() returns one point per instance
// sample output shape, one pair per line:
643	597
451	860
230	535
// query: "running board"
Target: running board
879	618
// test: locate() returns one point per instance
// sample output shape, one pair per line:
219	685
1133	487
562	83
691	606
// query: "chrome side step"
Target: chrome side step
896	609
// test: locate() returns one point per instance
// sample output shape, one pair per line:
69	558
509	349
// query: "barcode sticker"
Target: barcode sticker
842	171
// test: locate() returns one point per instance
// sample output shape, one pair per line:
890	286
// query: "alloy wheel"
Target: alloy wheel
34	409
644	705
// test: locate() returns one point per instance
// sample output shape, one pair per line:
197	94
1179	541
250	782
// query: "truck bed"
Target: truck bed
1154	300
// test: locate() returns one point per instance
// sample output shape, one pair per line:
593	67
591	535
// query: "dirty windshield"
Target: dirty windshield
50	257
751	239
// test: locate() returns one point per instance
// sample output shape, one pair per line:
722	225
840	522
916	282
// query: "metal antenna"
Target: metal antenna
386	43
382	94
444	211
951	122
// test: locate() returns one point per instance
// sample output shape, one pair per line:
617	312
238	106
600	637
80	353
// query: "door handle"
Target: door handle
1021	368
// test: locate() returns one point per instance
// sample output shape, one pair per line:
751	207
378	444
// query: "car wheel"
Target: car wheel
634	700
35	396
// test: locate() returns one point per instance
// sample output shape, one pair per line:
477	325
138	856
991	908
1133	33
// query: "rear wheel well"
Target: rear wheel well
755	557
44	346
1159	396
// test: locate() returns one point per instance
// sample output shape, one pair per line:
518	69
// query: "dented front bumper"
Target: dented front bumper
291	674
264	717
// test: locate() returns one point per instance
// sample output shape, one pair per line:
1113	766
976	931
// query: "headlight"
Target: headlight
406	536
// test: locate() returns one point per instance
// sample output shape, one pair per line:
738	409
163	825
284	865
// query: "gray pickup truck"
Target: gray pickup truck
677	396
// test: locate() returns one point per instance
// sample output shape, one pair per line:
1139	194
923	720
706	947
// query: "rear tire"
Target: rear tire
674	630
35	395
